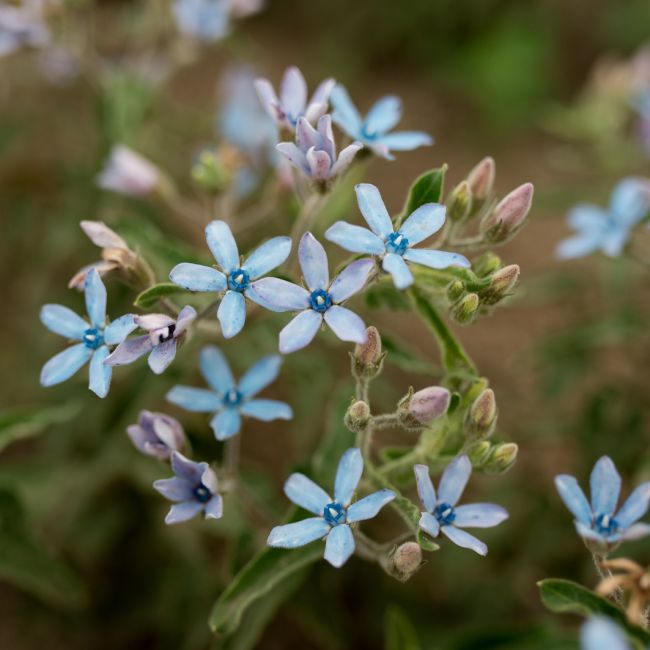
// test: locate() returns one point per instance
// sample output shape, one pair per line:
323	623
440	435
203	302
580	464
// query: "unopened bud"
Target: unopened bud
509	214
406	560
483	414
357	416
479	452
501	284
101	235
459	203
465	309
455	290
209	173
421	408
367	360
481	178
503	457
486	264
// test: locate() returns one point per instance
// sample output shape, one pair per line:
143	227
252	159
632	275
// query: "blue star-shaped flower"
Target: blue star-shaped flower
600	522
443	515
229	400
95	338
333	516
394	246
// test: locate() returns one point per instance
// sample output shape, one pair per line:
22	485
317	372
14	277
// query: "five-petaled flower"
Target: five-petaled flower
607	230
95	337
236	278
443	515
394	245
161	340
333	516
157	434
320	302
292	103
193	489
373	130
228	400
600	523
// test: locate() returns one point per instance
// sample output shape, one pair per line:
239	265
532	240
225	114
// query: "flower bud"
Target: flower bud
455	290
479	452
501	284
483	414
406	560
509	214
157	435
459	203
209	173
481	178
465	309
486	263
503	457
368	360
421	408
127	172
357	416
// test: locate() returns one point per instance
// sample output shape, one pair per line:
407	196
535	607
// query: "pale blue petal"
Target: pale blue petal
577	246
348	475
605	485
214	507
267	257
300	331
305	493
119	329
613	243
346	324
226	424
405	140
63	365
400	272
161	356
183	511
636	531
574	498
630	201
454	479
602	634
232	314
197	277
429	524
351	280
222	245
298	534
479	515
587	218
345	114
424	222
266	410
63	321
174	489
293	93
464	539
369	506
293	155
196	400
339	545
215	369
383	116
355	238
188	469
100	374
373	209
313	262
635	506
260	375
278	295
588	533
95	293
426	491
129	350
436	259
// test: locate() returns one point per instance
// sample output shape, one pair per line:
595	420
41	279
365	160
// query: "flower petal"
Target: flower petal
345	113
319	164
351	280
95	294
151	322
299	533
424	222
267	257
345	159
384	115
188	469
326	135
339	545
100	373
293	92
323	91
119	329
226	424
373	209
348	475
605	485
369	506
197	277
578	246
232	314
214	507
63	365
195	400
185	317
63	321
266	410
426	491
268	98
574	498
183	511
302	491
293	155
174	489
260	375
464	539
307	137
636	531
436	259
600	633
222	245
429	524
587	218
313	262
129	350
635	506
346	324
278	295
354	238
405	140
479	515
300	331
161	356
215	369
400	272
587	533
454	479
630	201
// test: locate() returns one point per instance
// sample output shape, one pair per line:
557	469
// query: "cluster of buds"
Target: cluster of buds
420	409
214	170
493	458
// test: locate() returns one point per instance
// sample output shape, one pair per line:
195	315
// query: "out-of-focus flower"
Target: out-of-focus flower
239	280
600	633
443	515
607	230
373	129
95	338
394	246
193	489
600	522
481	178
22	26
228	400
314	152
127	172
157	435
292	103
160	341
629	576
320	302
333	516
209	20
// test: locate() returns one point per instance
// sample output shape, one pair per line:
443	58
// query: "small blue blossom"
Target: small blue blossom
228	400
443	515
321	302
333	516
206	20
193	489
600	633
599	521
236	278
607	230
394	246
373	130
94	337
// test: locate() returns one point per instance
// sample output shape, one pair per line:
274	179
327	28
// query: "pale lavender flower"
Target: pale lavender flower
322	302
209	20
157	435
600	633
333	516
193	489
22	26
127	172
160	341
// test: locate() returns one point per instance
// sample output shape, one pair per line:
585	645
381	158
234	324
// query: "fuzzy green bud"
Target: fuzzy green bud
209	173
466	308
509	214
368	359
357	416
406	560
481	178
486	264
482	414
455	290
459	203
479	452
502	458
501	284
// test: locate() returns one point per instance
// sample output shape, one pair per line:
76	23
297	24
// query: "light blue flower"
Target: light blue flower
206	20
373	130
236	278
641	104
193	489
599	521
228	400
95	338
394	246
22	25
601	633
321	303
333	516
443	515
607	230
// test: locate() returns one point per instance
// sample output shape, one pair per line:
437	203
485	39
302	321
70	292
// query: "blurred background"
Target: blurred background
85	559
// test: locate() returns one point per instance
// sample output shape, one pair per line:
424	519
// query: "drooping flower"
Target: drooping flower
333	516
228	400
394	246
94	338
193	489
160	341
373	130
292	103
599	522
127	172
322	302
314	152
157	435
22	26
607	230
236	278
443	515
600	633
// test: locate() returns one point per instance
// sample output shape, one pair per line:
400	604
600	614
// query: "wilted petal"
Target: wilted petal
454	479
101	235
400	272
479	515
100	373
348	475
278	295
373	209
298	534
319	164
464	539
129	350
226	424
215	369
354	238
436	259
369	506
197	277
346	324
405	140
232	313
183	511
196	400
63	321
267	257
266	410
635	506
174	489
260	375
345	114
426	491
162	355
605	485
424	222
293	93
339	545
429	524
95	293
293	155
574	498
119	329
214	507
300	331
601	633
345	159
384	115
351	280
222	245
302	491
63	365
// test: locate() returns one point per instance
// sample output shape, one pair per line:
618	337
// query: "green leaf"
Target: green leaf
149	297
426	189
384	294
426	543
400	633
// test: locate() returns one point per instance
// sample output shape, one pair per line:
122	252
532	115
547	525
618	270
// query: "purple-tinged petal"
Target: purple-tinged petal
339	545
400	272
101	235
119	329
313	262
479	515
222	245
185	317
174	489
187	469
278	295
293	155
232	314
369	506
267	257
454	479
183	511
63	365
605	485
100	374
195	400
197	277
300	331
298	534
636	531
345	159
436	259
214	507
635	506
302	491
574	498
348	475
346	324
307	136
384	115
95	294
405	140
129	350
326	135
354	238
345	114
266	410
268	98
226	424
161	356
424	222
319	163
293	92
379	149
209	479
587	533
373	210
63	321
577	246
426	491
464	539
351	280
314	111
260	375
215	369
151	322
600	633
322	93
429	524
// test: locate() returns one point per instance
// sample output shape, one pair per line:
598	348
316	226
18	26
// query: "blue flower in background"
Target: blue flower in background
22	25
193	489
373	130
641	104
333	516
95	338
207	20
443	515
600	522
607	230
321	302
237	279
601	633
394	246
228	400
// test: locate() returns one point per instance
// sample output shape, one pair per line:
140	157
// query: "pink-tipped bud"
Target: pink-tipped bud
509	214
483	414
481	178
367	360
406	560
428	404
501	284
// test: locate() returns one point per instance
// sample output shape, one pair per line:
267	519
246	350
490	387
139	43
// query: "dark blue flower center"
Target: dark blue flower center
334	513
232	397
238	280
163	334
445	514
93	338
202	493
368	135
320	300
397	243
605	525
